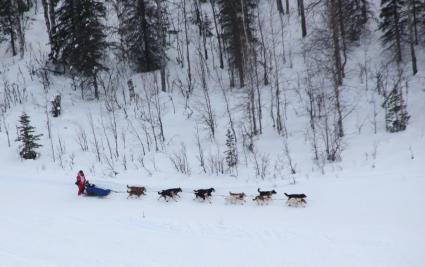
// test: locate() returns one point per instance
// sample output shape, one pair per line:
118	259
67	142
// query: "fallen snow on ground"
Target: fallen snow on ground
369	221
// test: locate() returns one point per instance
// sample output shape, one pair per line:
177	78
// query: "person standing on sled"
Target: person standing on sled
81	181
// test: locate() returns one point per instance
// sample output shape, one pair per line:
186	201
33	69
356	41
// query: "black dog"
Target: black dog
170	193
298	196
296	200
266	193
203	193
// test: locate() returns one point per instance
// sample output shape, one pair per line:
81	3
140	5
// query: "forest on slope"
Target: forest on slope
258	88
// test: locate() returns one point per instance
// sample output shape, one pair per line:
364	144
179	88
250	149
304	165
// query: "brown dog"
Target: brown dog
136	191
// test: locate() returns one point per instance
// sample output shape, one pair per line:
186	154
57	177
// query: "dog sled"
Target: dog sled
94	191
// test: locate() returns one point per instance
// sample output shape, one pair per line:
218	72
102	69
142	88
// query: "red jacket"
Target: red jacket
81	179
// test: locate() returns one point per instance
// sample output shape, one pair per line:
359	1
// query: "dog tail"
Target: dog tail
128	186
286	195
159	192
258	190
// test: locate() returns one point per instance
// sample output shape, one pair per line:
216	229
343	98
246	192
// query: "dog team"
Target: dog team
263	197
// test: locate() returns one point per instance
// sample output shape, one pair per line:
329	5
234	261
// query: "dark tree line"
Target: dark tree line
78	38
142	30
11	12
402	28
237	19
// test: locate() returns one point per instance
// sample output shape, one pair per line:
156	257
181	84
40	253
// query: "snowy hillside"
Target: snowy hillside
365	187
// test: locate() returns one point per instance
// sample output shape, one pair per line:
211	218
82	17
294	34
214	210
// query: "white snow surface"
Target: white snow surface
366	210
374	220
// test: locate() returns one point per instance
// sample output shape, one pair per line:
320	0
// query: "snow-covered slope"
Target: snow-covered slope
365	210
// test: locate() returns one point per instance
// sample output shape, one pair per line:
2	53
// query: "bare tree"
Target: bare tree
287	6
81	139
219	40
215	162
263	49
276	103
302	15
201	155
47	19
49	126
412	33
186	30
279	6
137	135
228	107
61	149
95	140
180	161
289	158
162	30
6	128
150	109
261	165
205	107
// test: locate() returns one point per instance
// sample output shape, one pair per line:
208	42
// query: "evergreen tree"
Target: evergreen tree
231	152
11	23
237	19
417	10
393	25
396	116
355	16
8	16
27	138
64	32
79	38
24	6
141	28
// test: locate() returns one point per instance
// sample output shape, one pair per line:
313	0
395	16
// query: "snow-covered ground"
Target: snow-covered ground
366	210
373	220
